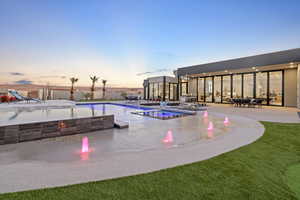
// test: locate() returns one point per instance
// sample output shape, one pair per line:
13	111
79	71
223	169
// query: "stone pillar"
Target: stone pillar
298	86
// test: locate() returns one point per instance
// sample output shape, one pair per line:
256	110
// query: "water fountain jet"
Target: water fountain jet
85	145
210	126
169	137
205	114
226	121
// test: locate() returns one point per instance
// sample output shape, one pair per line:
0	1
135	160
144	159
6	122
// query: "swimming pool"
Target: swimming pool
31	115
161	114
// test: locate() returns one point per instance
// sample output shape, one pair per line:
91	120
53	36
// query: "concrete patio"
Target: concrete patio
58	162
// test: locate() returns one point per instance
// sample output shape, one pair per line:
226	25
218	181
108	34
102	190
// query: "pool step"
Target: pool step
121	124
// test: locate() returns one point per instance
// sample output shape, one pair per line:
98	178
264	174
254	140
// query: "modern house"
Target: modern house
163	88
274	77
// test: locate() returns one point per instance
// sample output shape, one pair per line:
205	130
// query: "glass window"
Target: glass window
160	91
193	87
275	90
151	89
226	89
173	91
208	89
201	89
156	88
167	91
237	86
248	85
262	85
183	89
217	88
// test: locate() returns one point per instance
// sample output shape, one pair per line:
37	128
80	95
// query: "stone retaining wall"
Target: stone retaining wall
33	131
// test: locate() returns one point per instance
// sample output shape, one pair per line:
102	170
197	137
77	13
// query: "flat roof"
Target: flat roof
275	58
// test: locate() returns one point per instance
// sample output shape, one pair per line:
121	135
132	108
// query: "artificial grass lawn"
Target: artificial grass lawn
255	171
293	179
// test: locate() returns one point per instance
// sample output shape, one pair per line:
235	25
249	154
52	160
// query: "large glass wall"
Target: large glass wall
226	89
265	85
217	88
248	85
208	89
237	86
201	89
275	91
262	86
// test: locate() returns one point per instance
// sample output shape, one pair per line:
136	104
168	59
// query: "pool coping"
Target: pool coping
24	132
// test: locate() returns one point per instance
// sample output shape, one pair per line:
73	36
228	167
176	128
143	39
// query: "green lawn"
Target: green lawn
257	171
293	178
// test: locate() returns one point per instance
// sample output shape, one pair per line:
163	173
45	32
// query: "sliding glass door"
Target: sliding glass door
217	89
275	90
201	89
237	86
248	86
226	89
208	89
262	86
184	88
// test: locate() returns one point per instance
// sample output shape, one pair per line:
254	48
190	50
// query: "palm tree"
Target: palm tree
103	88
94	80
73	81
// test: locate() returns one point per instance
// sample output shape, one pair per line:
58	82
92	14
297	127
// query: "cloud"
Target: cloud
16	74
23	82
62	77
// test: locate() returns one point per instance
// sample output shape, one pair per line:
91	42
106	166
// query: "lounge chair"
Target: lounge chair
19	97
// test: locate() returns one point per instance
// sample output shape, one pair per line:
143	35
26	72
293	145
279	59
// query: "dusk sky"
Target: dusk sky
50	41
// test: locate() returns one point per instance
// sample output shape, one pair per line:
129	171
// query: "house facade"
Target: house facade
273	77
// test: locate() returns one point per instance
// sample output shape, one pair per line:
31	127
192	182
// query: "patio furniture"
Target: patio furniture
132	98
19	97
243	102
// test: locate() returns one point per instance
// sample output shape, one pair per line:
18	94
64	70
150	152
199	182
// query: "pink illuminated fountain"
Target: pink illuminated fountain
226	121
205	114
210	126
85	145
169	137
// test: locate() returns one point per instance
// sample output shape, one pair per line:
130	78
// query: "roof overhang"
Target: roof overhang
276	60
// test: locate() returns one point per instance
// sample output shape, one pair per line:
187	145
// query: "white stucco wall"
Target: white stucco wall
290	87
298	86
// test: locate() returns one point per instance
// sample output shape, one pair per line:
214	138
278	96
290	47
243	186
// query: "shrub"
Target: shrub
12	98
4	98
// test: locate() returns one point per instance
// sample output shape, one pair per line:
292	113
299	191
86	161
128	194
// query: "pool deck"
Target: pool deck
34	165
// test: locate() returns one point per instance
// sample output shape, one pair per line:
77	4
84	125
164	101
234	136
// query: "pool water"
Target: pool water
161	114
28	115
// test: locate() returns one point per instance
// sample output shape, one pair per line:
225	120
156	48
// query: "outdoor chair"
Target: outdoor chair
19	97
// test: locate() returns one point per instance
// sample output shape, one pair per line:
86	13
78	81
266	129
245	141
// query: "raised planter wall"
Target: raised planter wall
33	131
